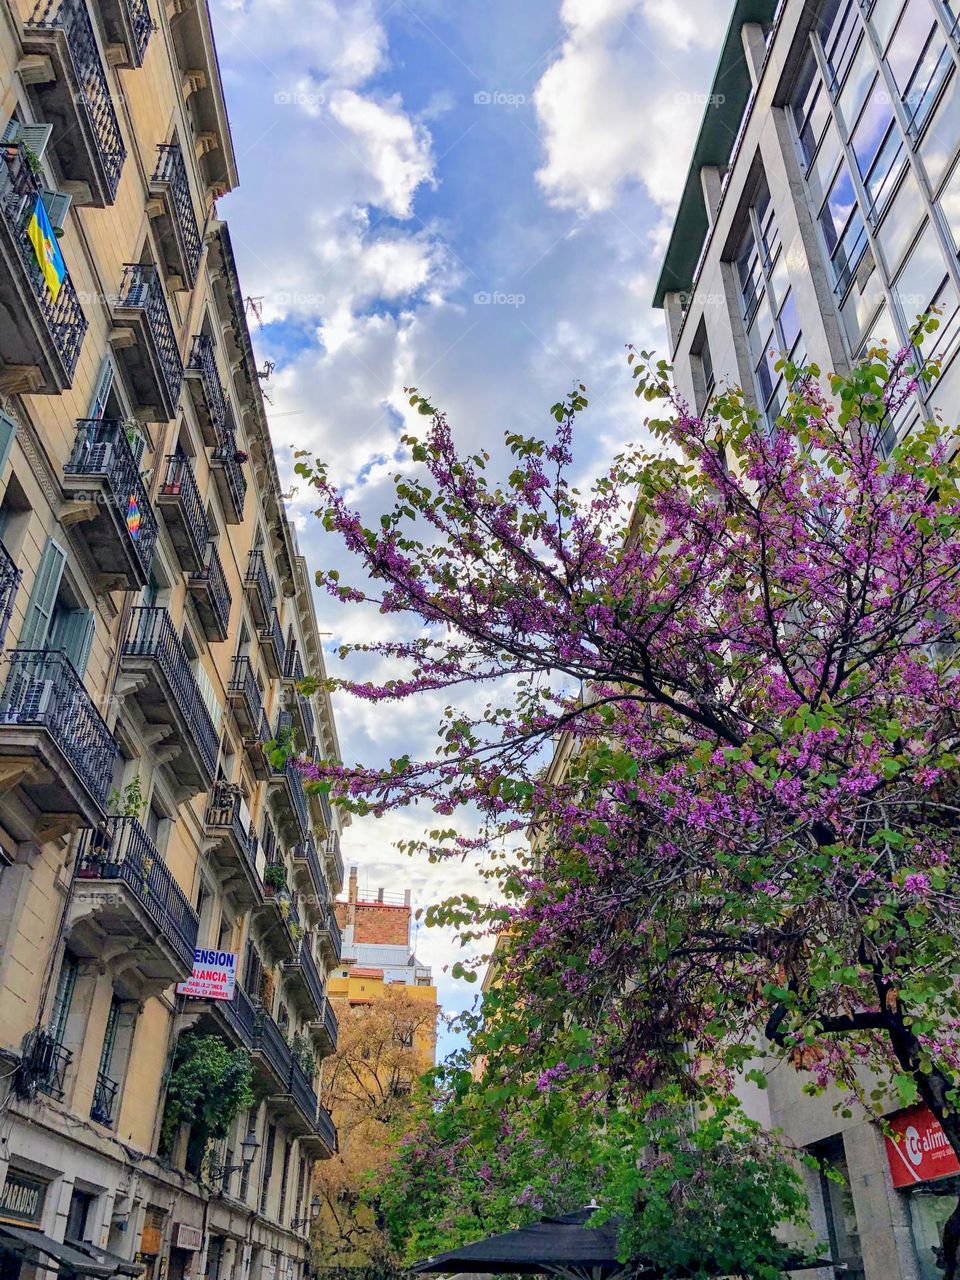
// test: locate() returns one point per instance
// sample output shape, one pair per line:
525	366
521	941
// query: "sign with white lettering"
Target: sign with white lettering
22	1197
919	1150
187	1237
214	975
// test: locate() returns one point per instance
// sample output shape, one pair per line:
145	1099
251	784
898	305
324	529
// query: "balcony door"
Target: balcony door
54	620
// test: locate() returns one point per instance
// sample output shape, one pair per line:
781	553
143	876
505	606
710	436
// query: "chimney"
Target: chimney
379	895
352	889
406	897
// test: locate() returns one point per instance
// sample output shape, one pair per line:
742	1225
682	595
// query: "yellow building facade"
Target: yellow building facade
157	619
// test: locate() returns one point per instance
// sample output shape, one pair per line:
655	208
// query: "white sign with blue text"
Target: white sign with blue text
214	975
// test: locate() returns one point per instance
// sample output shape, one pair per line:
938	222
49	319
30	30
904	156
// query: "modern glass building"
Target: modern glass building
821	213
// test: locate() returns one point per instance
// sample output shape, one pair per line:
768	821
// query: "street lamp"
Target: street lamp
297	1223
248	1150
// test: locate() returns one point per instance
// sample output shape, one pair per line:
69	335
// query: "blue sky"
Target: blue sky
469	196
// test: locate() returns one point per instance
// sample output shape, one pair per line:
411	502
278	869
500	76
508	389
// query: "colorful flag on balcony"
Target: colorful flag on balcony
133	517
47	249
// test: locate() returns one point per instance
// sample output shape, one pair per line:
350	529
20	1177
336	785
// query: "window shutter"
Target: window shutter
101	391
138	447
35	136
8	430
43	597
57	205
73	633
209	697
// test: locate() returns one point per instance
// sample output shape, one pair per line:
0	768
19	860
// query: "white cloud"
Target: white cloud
395	149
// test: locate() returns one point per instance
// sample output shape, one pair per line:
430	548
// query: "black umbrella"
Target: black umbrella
561	1246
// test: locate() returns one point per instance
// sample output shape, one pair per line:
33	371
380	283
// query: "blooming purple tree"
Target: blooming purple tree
742	648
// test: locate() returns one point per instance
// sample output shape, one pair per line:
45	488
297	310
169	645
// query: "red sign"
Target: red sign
922	1151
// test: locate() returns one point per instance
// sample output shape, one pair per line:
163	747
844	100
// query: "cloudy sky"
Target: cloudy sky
470	196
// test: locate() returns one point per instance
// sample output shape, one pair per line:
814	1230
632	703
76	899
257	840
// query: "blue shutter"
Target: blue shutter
73	633
57	205
43	597
8	430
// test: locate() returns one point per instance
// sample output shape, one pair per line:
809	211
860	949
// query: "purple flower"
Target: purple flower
918	884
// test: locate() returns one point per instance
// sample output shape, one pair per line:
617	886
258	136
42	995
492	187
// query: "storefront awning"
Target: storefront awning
26	1242
121	1266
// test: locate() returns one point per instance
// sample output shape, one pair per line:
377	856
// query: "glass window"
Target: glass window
900	223
950	205
917	56
843	229
859	79
824	166
878	148
863	298
883	18
811	110
839	30
942	138
789	323
922	280
930	1206
840	1210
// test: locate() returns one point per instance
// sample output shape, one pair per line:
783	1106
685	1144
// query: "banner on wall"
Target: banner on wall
919	1151
214	976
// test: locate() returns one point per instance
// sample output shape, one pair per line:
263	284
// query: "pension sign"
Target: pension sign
214	975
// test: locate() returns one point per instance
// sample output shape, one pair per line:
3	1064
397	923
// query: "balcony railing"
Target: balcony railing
330	1024
306	853
10	577
43	1065
63	318
271	640
212	597
306	971
241	1014
302	1090
326	1129
42	689
141	289
259	585
269	1040
103	450
186	518
104	1099
122	851
227	462
336	859
171	172
210	399
93	98
330	939
292	667
224	811
152	635
245	695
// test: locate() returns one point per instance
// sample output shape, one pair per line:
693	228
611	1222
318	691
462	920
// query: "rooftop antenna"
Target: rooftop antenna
268	368
254	305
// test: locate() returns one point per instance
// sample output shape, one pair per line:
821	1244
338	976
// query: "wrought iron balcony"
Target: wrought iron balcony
154	661
292	667
179	500
305	981
144	911
113	509
145	343
306	864
256	747
54	746
227	461
206	390
300	1100
233	845
129	27
325	1030
172	212
271	1054
280	922
290	801
40	339
104	1099
326	1135
69	86
43	1066
211	595
271	644
245	696
334	861
330	939
259	586
10	577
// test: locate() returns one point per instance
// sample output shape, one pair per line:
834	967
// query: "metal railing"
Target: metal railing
326	1128
308	966
241	1014
218	592
19	192
180	482
43	689
292	666
172	171
226	456
102	449
336	857
204	362
272	634
331	927
302	1090
243	680
10	577
94	97
104	1098
43	1065
141	288
330	1023
306	852
258	574
298	796
122	850
224	811
152	635
269	1040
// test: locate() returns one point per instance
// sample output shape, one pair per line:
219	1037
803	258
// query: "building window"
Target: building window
839	1208
769	306
701	367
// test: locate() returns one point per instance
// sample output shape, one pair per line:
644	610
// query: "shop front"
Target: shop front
925	1170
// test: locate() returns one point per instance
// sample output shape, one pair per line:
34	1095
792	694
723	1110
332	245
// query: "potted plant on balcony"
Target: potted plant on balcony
275	878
